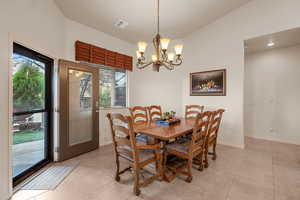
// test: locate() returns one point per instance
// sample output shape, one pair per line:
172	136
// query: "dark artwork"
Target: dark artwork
209	83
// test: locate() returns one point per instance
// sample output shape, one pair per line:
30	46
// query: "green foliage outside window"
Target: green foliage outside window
105	97
28	87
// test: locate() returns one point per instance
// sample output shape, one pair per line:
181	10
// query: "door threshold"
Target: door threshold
31	177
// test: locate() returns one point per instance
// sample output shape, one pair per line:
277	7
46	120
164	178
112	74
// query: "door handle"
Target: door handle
97	111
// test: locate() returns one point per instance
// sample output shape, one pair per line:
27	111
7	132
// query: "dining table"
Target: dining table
165	133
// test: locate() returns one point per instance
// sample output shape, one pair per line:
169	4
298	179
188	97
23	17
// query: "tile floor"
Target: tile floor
263	170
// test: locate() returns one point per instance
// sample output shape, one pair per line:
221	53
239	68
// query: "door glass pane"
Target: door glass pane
112	87
28	84
28	141
80	107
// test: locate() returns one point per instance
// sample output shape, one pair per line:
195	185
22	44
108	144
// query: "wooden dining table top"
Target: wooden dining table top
164	132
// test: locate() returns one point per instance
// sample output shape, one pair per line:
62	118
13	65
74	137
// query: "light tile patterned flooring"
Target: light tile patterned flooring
263	170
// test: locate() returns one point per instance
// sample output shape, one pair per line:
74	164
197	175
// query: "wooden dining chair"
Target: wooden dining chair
155	113
126	147
213	132
190	149
191	111
139	114
204	116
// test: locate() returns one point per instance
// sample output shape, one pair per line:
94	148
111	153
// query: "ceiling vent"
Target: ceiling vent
121	24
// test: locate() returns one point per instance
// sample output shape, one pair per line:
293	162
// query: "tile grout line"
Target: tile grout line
231	184
273	175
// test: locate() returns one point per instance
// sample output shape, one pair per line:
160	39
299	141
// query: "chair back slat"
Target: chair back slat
139	114
121	129
155	113
200	131
215	123
123	135
123	141
191	111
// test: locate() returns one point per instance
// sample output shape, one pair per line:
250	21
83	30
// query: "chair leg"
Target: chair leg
136	189
164	161
159	168
205	158
201	162
189	168
117	177
214	151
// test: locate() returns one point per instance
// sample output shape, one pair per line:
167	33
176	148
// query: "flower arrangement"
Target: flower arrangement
169	115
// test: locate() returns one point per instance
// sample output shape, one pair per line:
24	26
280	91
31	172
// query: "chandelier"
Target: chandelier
161	57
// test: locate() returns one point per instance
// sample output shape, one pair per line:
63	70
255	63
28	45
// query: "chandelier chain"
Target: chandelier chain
158	16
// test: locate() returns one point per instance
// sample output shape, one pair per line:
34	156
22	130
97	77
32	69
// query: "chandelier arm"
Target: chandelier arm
144	65
154	43
163	55
170	67
177	64
174	63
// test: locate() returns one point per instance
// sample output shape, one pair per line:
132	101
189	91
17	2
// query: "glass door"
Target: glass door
32	103
79	109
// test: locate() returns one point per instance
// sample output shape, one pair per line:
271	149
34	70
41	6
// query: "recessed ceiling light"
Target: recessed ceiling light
270	44
121	24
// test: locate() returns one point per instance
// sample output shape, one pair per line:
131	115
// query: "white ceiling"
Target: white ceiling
178	17
280	40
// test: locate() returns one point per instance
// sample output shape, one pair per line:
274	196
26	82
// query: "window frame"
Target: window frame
127	90
47	110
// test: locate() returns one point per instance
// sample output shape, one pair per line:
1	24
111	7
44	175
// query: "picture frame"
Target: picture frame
208	83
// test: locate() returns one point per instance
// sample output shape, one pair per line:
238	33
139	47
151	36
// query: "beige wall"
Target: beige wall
272	97
43	32
41	26
221	45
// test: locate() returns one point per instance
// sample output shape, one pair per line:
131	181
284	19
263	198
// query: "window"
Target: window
113	87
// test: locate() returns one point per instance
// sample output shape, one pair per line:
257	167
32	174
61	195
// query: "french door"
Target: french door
79	109
32	105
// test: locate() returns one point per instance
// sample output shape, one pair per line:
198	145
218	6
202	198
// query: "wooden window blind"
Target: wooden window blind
98	55
83	51
94	54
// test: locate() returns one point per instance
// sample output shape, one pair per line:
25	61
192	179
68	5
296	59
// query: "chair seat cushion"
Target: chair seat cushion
127	153
142	138
181	146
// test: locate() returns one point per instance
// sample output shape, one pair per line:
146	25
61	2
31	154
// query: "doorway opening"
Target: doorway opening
271	98
32	106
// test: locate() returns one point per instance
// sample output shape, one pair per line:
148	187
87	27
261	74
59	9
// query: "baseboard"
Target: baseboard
222	143
7	197
273	140
242	146
105	144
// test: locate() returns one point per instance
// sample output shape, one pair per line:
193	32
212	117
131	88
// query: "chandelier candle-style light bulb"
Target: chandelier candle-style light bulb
142	47
154	58
178	49
164	43
138	55
171	57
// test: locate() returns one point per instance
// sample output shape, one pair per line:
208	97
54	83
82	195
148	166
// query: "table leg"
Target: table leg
167	175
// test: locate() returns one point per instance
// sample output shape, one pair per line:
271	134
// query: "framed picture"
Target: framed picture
208	83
